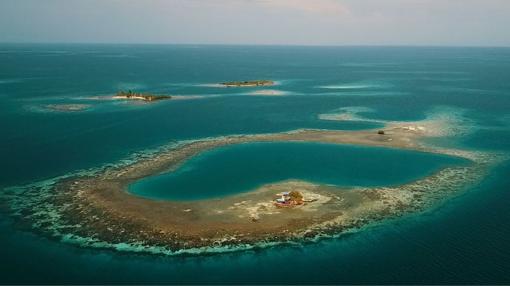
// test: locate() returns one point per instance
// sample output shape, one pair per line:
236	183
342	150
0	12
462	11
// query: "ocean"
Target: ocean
466	239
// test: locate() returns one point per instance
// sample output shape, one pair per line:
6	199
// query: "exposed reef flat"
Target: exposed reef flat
250	83
66	107
96	210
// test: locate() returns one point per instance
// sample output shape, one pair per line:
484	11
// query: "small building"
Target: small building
282	199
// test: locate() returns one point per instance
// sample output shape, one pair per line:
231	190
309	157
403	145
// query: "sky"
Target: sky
261	22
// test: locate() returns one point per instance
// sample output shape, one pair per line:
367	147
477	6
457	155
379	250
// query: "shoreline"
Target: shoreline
97	211
248	83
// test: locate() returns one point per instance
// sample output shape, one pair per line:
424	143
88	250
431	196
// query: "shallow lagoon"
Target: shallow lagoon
243	167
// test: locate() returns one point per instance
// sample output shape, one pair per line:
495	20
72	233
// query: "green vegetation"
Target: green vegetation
248	83
296	197
141	96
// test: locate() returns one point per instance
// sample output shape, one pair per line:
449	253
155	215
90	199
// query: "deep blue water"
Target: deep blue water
244	167
466	240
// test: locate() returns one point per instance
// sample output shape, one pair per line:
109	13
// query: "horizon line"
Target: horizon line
252	44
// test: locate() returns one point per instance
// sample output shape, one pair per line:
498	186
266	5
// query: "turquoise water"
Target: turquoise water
466	240
244	167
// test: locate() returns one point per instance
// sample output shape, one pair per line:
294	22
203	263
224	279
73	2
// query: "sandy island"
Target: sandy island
147	97
96	210
248	83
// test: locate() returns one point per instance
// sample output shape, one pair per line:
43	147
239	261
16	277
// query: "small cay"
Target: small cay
249	83
131	95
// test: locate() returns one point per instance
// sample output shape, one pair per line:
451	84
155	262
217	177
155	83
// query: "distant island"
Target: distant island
140	96
250	83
